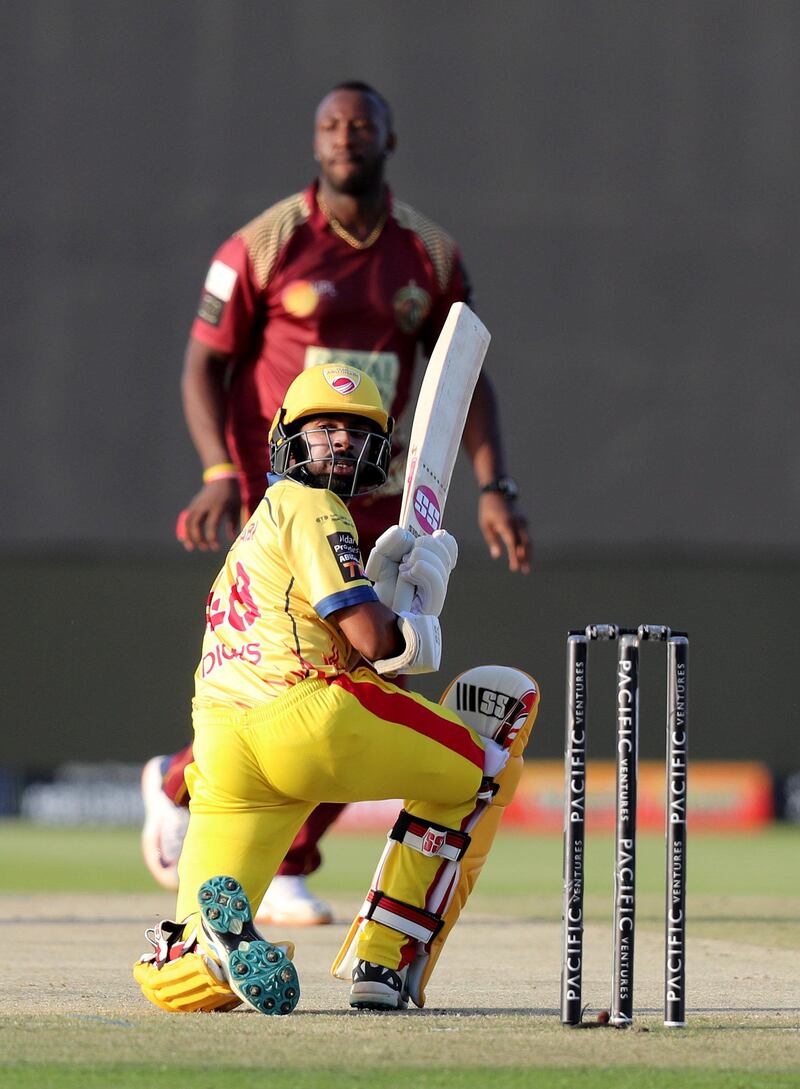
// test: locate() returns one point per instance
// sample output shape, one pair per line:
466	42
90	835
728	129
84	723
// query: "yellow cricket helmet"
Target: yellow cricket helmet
333	389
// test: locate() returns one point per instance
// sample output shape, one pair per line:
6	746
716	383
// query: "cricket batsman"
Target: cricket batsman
294	706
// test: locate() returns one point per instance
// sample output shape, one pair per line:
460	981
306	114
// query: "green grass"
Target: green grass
119	1076
742	889
96	859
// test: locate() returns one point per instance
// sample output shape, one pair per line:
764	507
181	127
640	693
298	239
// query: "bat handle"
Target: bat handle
403	596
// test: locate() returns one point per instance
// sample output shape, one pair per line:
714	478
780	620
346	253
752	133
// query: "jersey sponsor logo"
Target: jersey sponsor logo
342	379
210	309
221	280
348	555
217	291
300	298
213	659
411	305
426	509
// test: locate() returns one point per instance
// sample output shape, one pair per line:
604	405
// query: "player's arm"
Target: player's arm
409	643
217	505
501	523
371	629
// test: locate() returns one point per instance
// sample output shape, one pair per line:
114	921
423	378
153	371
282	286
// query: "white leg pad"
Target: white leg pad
501	704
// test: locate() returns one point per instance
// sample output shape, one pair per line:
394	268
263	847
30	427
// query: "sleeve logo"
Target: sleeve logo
345	548
217	291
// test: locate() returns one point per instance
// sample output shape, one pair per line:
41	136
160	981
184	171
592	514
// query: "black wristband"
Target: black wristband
504	485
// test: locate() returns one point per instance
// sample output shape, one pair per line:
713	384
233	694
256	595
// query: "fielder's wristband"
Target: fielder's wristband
504	485
225	470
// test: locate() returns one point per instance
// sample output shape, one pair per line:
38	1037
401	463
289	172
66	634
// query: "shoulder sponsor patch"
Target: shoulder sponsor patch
345	548
217	290
221	280
210	309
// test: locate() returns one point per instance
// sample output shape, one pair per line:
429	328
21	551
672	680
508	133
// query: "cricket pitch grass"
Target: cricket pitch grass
79	901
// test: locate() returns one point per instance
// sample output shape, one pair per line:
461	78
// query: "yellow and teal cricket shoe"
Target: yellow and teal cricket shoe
261	974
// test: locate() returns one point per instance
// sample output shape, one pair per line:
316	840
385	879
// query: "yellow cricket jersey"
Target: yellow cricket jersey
294	564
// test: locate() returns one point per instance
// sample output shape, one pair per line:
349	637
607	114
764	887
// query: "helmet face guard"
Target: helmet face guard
291	455
335	390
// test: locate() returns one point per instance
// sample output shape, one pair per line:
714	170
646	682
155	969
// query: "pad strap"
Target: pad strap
429	838
414	922
488	789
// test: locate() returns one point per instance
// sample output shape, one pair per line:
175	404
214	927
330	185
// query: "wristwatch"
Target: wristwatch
504	485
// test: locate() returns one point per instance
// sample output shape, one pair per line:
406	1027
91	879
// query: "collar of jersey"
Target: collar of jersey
276	478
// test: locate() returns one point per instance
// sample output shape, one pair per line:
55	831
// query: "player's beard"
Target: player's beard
365	181
340	484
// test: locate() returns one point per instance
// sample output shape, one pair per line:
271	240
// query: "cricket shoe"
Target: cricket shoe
260	973
378	988
289	902
164	828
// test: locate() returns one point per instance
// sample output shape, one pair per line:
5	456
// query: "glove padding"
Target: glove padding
427	568
423	649
383	561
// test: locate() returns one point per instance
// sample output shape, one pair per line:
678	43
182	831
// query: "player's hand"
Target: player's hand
383	561
215	509
427	568
503	526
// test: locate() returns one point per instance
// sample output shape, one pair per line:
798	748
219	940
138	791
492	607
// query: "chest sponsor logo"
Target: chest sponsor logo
348	555
300	298
411	304
331	518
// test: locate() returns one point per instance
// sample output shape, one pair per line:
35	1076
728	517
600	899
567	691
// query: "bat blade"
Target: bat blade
441	412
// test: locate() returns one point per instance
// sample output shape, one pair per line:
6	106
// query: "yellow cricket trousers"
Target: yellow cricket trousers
258	774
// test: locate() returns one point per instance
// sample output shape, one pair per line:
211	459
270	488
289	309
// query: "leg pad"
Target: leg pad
185	985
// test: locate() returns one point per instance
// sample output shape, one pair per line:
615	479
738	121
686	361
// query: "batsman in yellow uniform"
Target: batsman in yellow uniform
292	708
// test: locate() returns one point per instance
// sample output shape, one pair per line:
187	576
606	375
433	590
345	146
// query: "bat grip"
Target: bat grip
403	596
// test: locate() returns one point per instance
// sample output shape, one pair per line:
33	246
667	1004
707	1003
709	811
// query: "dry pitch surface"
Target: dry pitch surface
68	997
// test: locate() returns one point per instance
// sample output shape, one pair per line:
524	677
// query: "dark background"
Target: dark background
622	179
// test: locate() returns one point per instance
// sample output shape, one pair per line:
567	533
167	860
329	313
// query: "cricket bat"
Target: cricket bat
439	418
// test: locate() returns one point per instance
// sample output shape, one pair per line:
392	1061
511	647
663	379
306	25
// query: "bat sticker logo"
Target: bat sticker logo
427	509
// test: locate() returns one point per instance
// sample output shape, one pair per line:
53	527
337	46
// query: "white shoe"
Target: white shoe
289	902
164	828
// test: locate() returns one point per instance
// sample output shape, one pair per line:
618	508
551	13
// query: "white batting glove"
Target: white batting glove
383	562
427	568
423	650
